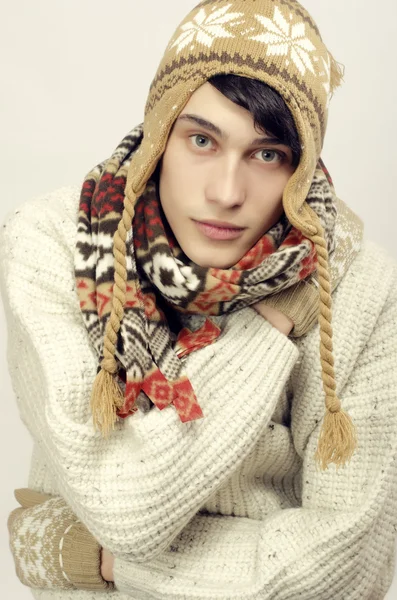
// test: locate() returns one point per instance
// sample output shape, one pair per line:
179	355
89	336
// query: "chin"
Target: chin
208	262
215	265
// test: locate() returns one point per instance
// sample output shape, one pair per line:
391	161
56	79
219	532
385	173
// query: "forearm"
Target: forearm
161	469
293	554
281	322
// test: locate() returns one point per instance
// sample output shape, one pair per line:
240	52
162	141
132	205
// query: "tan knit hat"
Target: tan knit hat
278	43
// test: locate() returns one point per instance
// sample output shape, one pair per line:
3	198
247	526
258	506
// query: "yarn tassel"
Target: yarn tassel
337	441
106	398
337	73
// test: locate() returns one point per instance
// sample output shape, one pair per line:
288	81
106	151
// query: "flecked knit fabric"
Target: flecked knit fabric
233	505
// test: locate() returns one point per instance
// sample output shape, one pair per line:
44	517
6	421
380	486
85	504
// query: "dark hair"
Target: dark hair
270	113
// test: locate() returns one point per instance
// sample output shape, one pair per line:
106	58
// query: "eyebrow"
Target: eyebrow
215	129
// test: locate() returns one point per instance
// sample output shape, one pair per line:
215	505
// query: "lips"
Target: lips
219	230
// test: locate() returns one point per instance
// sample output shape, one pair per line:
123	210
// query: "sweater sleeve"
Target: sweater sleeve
136	490
339	544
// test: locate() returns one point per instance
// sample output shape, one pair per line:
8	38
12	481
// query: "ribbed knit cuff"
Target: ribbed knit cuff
81	557
28	498
300	303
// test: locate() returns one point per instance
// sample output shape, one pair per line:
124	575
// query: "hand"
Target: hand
278	319
107	562
46	518
52	520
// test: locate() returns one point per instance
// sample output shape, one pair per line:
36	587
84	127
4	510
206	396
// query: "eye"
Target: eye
269	155
200	141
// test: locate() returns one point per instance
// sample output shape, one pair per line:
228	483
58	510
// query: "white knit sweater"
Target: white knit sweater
231	506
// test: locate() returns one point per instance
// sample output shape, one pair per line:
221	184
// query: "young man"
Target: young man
209	256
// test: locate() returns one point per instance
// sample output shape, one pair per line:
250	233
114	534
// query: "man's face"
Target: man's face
221	182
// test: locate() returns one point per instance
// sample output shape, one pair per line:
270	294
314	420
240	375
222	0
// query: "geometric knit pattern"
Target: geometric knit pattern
233	505
160	274
51	547
36	540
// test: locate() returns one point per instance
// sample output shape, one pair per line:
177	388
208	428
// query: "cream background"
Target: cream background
75	75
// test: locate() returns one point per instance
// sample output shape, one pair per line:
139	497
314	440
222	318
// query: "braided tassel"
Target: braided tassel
337	73
106	398
106	395
337	441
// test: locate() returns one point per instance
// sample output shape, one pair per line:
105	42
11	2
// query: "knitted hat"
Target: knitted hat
278	43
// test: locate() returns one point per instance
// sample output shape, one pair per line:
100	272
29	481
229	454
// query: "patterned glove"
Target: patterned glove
300	303
51	547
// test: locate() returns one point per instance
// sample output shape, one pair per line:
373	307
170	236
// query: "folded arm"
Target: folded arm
138	489
339	544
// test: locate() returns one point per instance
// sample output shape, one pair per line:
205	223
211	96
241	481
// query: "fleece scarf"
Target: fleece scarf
278	43
161	279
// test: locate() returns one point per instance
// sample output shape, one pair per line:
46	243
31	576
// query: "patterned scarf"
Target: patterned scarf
162	281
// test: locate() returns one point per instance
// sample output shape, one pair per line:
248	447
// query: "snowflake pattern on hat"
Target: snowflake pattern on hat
284	39
205	28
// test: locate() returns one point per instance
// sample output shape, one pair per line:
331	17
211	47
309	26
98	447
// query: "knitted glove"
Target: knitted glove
300	303
51	547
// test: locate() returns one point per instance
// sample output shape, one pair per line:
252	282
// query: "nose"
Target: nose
226	184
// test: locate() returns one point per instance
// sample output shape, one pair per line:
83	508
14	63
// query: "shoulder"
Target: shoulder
52	216
370	280
363	305
42	230
373	258
43	212
365	299
368	289
37	246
